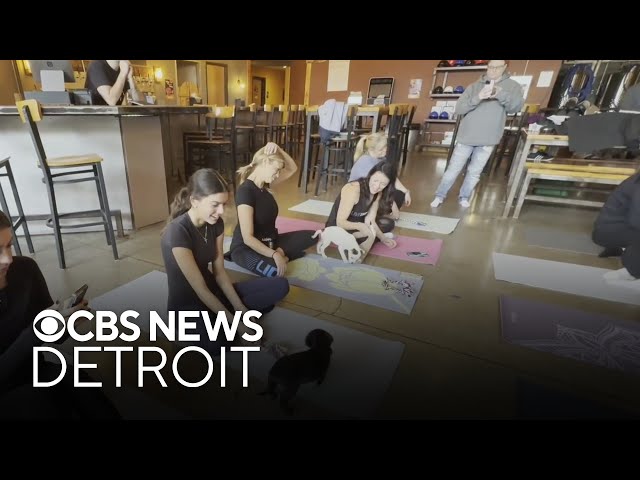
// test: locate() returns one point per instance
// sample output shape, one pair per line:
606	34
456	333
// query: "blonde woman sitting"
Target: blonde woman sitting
256	244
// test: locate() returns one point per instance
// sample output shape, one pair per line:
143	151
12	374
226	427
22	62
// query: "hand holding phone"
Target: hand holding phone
77	296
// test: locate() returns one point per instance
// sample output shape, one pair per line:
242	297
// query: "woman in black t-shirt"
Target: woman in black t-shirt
256	244
23	295
191	240
361	207
109	80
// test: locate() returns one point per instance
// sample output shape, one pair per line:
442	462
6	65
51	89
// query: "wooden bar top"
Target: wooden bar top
124	111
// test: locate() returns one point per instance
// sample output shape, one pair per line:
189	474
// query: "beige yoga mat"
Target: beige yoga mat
561	277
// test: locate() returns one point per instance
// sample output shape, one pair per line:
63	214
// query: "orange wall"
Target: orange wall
275	83
360	71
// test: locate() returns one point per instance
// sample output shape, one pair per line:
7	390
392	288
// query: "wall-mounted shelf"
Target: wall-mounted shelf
447	71
461	69
428	120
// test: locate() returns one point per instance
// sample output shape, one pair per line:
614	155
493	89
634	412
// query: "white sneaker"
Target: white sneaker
436	202
389	235
464	203
621	275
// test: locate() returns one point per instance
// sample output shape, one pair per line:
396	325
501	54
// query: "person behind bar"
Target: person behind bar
109	80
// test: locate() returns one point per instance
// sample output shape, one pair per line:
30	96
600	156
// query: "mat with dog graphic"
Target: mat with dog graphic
584	336
414	221
379	287
411	249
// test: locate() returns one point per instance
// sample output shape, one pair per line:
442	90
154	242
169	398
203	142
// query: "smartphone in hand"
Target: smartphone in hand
492	87
78	296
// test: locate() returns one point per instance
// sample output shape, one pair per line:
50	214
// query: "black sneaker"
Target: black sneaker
611	252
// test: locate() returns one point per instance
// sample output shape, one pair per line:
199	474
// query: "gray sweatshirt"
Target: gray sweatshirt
483	122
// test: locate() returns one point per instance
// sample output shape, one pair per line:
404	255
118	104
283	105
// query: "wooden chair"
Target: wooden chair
220	140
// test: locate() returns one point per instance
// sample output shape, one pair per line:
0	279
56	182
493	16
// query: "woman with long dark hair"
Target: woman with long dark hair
191	240
23	295
363	205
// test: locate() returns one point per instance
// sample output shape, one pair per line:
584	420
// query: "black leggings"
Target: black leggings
624	236
293	243
398	198
259	294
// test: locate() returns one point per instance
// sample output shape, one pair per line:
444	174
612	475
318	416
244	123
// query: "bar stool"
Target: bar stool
406	128
22	220
343	147
220	139
30	113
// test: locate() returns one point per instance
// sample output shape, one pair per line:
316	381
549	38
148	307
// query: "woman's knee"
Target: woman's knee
385	224
280	287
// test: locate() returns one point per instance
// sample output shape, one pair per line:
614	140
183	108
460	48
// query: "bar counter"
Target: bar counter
141	147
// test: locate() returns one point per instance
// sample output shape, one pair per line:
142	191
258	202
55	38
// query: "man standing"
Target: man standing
485	105
109	80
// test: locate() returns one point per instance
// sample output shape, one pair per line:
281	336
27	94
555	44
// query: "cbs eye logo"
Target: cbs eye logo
52	326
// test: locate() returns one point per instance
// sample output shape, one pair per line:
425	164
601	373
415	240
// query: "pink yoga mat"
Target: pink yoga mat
411	249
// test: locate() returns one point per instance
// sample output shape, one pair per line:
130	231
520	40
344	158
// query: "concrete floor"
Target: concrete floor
456	363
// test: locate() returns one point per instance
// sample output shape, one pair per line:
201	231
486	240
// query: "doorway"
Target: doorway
187	72
259	88
216	84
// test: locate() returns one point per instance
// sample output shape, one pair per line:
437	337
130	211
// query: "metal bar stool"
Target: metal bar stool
75	165
21	220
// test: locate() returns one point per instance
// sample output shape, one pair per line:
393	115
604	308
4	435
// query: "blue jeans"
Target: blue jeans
461	153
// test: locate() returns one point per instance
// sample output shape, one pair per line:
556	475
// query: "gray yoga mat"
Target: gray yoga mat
584	336
559	240
380	287
362	365
561	277
414	221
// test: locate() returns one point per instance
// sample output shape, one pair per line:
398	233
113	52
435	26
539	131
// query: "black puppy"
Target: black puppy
293	370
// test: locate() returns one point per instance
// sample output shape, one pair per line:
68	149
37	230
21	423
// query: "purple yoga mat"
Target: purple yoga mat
411	249
584	336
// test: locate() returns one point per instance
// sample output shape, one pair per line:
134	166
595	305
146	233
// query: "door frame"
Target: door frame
226	80
263	80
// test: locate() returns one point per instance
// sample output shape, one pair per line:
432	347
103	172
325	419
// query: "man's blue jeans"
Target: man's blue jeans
461	153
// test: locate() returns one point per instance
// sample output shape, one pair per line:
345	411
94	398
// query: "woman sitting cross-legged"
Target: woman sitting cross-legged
256	244
191	240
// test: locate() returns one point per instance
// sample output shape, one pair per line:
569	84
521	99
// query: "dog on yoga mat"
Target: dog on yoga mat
291	371
347	244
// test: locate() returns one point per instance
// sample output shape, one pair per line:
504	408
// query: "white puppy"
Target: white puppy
346	243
